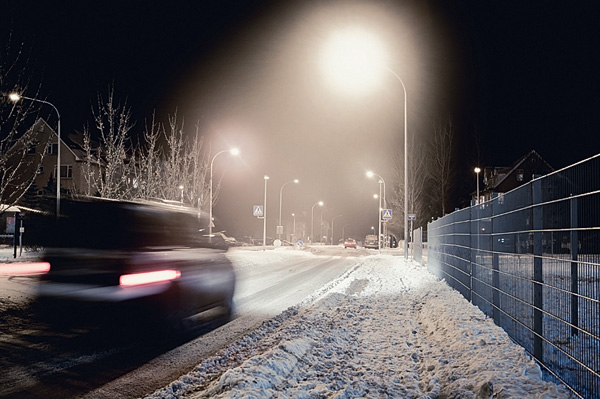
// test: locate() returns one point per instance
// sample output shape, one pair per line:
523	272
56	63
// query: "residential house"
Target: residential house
73	168
499	179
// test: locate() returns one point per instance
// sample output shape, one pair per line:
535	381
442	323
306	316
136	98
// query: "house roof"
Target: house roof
71	141
518	164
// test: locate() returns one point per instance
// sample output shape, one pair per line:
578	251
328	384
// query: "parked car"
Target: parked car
350	243
371	241
136	262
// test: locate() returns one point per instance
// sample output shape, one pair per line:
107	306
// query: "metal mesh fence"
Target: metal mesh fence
530	259
417	249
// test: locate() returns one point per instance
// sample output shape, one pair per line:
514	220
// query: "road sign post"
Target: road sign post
412	217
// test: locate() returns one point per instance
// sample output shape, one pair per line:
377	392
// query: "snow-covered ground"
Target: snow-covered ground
385	329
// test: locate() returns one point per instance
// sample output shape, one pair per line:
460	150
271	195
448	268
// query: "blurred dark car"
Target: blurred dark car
371	241
350	243
134	262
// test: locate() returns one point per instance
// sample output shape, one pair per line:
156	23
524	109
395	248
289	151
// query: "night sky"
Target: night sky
512	77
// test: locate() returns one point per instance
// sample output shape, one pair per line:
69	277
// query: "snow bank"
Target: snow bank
386	329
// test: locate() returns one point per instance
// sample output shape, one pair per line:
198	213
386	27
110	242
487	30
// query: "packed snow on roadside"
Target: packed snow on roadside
388	328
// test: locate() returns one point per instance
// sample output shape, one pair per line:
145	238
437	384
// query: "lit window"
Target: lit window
520	174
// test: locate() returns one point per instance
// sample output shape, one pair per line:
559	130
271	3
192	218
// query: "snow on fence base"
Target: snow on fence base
530	259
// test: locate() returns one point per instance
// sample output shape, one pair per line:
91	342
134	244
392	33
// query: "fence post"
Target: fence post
472	253
495	266
538	305
574	269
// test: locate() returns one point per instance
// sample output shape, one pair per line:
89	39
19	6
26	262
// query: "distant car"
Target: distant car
135	262
221	238
371	241
350	243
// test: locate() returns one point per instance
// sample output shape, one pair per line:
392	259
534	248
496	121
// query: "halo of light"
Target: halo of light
353	61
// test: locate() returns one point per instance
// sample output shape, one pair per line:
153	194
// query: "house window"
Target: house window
66	171
52	148
31	149
520	174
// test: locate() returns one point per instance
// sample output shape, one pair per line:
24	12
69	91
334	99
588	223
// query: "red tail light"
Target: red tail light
24	269
130	280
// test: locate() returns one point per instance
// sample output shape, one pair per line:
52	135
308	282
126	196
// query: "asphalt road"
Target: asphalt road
99	362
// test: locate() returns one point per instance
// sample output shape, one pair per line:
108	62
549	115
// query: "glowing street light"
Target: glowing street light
280	225
15	97
352	60
234	152
312	218
477	170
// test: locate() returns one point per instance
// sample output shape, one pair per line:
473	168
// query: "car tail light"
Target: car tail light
24	269
130	280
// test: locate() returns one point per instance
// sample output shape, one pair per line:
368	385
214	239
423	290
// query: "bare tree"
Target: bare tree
198	168
417	183
113	123
185	164
146	162
92	165
17	166
442	157
174	166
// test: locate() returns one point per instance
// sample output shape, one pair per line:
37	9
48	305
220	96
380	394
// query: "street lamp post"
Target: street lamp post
332	219
381	182
477	170
405	165
294	229
232	151
181	188
312	219
353	56
280	225
321	225
344	230
14	97
265	215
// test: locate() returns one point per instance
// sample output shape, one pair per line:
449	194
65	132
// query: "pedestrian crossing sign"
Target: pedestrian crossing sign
258	210
386	214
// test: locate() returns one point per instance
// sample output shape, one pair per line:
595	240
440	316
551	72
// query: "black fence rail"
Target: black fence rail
530	259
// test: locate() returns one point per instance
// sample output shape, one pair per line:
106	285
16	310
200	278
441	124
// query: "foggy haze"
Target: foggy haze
512	77
264	92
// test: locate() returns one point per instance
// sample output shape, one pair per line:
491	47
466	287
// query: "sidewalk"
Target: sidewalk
7	254
386	329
